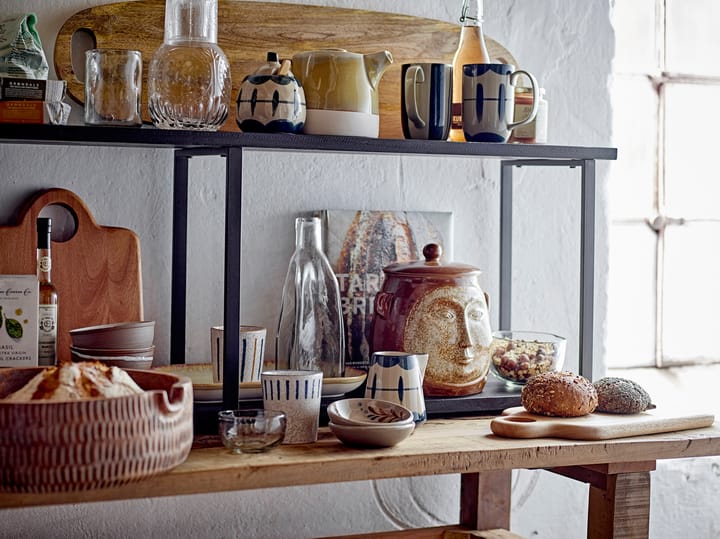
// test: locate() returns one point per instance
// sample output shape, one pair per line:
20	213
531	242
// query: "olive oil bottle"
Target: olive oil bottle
48	297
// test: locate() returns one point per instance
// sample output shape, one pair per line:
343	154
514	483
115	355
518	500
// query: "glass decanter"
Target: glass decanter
189	81
310	334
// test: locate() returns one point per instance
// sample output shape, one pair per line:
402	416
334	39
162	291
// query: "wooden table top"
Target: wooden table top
440	446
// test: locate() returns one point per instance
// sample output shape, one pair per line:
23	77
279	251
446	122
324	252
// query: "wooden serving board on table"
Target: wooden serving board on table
519	423
96	272
248	30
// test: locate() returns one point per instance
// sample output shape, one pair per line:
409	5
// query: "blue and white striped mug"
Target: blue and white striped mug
398	377
251	356
489	101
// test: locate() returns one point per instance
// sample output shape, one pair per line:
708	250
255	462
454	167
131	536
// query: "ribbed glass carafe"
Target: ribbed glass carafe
189	81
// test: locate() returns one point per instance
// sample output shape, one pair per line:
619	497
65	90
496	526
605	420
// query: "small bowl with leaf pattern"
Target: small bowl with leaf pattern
368	412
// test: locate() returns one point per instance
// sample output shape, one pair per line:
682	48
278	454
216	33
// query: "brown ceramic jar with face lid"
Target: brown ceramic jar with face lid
439	309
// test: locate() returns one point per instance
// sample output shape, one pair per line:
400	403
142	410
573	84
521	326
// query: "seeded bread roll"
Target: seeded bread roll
560	394
621	396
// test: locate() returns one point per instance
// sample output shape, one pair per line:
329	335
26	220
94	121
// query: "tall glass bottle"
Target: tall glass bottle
310	333
189	75
48	304
471	50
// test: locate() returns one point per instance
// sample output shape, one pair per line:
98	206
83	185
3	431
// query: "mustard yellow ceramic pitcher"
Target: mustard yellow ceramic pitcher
341	90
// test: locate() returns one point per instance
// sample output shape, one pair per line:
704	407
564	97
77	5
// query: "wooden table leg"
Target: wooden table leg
622	508
485	500
619	503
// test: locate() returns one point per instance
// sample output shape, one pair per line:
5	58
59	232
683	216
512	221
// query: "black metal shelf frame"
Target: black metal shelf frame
231	146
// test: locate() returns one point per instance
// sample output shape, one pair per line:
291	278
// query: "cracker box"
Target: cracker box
18	321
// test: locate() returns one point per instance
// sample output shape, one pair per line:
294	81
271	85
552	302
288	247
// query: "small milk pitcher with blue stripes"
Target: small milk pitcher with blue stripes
398	377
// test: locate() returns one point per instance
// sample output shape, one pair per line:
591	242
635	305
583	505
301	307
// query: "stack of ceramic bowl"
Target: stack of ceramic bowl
128	345
370	422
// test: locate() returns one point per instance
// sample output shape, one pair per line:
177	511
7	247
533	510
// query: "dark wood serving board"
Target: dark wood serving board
519	423
97	272
248	30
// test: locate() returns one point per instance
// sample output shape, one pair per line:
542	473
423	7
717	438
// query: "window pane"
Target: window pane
635	47
631	296
691	317
692	117
692	42
632	177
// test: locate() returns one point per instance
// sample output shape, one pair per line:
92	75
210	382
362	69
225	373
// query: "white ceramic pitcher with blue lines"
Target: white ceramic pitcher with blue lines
398	377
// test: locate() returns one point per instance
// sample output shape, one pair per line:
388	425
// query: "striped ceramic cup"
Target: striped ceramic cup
297	393
252	351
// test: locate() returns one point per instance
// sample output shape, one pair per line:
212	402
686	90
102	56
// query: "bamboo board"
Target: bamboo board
248	30
519	423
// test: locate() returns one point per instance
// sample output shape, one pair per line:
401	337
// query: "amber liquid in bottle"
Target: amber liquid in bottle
48	303
471	50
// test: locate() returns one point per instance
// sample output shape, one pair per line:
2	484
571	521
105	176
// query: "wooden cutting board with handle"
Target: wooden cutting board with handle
248	30
97	271
519	423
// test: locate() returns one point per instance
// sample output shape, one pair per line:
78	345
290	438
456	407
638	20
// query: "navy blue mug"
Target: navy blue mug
426	101
489	101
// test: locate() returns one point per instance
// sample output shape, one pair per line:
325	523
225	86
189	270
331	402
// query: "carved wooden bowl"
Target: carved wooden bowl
89	444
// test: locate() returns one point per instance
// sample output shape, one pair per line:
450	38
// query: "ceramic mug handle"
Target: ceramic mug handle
413	76
533	82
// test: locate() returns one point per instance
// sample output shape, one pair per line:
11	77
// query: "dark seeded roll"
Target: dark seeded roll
560	394
621	396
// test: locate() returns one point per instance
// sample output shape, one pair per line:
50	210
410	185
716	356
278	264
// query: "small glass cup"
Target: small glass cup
113	87
252	430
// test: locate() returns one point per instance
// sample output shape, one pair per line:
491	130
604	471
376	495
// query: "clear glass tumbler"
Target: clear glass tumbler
113	87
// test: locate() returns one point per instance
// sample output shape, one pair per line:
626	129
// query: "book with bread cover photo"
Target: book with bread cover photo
359	244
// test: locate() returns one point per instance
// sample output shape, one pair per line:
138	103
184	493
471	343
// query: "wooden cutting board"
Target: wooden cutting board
248	30
97	272
519	423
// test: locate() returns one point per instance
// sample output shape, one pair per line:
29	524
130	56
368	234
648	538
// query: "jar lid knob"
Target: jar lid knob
432	253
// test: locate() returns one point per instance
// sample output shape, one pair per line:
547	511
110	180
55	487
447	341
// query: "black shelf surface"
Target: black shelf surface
215	142
495	397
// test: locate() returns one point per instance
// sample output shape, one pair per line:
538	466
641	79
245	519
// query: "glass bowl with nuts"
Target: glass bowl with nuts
519	355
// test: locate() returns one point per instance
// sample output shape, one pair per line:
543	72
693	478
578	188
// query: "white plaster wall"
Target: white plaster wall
568	45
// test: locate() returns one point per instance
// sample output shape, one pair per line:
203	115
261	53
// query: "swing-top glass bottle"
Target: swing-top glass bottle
471	50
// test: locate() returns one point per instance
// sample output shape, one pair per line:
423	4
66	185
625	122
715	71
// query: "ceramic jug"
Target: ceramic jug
271	100
438	309
341	90
398	377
